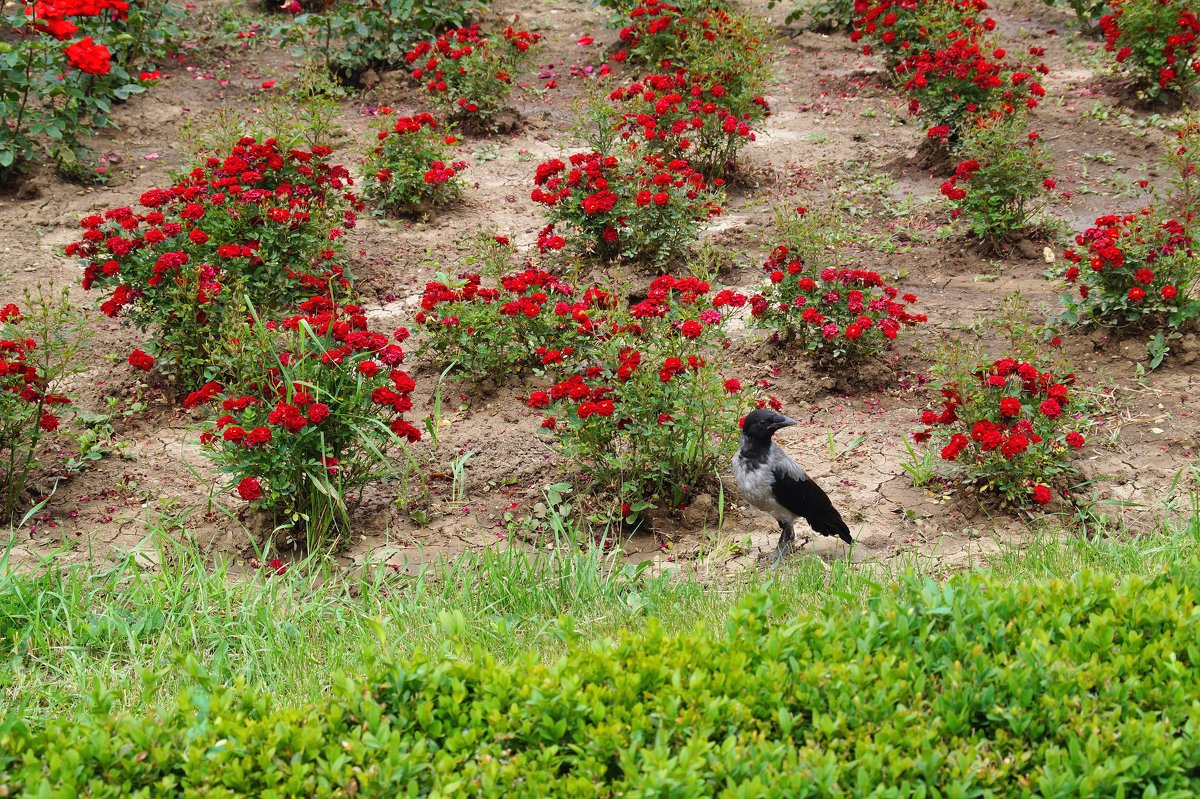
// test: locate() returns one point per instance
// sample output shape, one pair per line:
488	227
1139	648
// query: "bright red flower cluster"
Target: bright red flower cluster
1134	267
684	115
309	411
641	405
51	17
533	319
837	313
1158	41
940	54
1010	429
87	56
410	170
259	221
646	207
22	386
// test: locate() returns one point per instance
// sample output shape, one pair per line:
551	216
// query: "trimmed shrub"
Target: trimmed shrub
972	688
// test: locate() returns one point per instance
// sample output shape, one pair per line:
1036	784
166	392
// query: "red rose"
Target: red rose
1041	494
691	329
1075	440
733	385
140	360
318	412
89	57
1051	409
249	489
1010	407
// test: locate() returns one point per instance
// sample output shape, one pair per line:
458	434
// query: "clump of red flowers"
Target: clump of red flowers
259	226
469	75
1132	269
1010	429
531	319
644	408
682	115
837	315
317	403
640	207
1157	42
411	170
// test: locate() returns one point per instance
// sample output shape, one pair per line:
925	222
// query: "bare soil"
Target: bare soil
839	132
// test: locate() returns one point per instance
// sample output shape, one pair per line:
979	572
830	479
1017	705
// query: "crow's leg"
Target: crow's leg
786	536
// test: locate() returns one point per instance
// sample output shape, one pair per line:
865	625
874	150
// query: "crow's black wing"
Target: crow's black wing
795	490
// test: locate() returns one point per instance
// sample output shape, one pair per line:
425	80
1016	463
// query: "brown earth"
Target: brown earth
839	134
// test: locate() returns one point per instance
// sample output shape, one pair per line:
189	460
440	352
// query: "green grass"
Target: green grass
121	632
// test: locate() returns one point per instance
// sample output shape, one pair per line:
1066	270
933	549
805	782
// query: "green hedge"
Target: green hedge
1080	688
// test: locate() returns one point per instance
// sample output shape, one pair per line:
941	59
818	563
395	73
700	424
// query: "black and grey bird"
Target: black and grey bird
777	485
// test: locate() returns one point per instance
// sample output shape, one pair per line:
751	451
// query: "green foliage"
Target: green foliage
820	15
1078	687
354	36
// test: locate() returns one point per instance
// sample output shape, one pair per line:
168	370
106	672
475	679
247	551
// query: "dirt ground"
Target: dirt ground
839	134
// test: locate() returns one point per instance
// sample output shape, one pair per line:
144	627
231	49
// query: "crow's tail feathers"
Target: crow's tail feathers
830	523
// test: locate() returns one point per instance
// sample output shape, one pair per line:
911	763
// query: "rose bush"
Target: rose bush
836	315
1157	43
635	206
259	226
1009	429
315	411
469	75
646	413
532	319
410	169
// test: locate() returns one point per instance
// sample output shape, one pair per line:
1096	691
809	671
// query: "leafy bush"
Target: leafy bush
679	115
38	350
1157	43
1087	11
354	37
62	65
315	406
469	76
641	207
1003	183
837	315
643	411
532	319
1010	429
820	15
1133	269
259	226
975	687
409	171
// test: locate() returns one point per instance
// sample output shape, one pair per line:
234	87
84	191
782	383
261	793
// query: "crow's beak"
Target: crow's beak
785	423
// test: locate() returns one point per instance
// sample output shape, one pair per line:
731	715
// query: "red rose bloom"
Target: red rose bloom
1041	494
87	56
249	489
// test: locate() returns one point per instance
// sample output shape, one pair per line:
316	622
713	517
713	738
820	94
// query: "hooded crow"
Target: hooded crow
776	484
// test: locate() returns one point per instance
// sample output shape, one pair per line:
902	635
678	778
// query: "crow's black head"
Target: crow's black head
762	424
